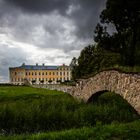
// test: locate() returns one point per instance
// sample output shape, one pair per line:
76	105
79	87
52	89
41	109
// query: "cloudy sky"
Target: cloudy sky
45	31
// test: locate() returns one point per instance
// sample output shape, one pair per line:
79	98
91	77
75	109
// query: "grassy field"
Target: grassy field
128	131
31	111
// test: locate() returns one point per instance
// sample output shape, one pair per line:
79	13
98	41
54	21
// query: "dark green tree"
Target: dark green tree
100	33
74	68
125	16
92	59
120	47
85	59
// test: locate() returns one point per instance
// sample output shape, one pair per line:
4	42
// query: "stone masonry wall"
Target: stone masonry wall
126	85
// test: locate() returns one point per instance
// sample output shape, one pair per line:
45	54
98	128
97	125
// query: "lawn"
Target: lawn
128	131
37	113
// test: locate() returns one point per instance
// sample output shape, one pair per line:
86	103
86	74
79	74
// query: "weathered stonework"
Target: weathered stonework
126	85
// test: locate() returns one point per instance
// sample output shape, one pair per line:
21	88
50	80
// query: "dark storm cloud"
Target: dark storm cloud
85	16
41	6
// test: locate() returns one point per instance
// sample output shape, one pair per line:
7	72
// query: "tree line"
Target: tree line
116	46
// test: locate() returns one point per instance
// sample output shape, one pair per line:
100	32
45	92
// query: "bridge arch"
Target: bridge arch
95	96
126	85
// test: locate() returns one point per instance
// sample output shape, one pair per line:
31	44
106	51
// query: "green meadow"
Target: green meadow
41	114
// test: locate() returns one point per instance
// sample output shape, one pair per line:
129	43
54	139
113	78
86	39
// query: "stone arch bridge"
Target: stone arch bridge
126	85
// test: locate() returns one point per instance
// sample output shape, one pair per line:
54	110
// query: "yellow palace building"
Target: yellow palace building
39	74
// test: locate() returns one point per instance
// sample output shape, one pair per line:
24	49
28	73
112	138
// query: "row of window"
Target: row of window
17	79
40	79
42	73
64	68
48	73
18	73
48	79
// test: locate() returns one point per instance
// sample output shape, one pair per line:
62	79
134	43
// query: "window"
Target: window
46	73
26	73
49	73
43	73
32	73
39	73
35	73
29	73
53	73
15	73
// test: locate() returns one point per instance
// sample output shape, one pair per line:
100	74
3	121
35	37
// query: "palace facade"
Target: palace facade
39	74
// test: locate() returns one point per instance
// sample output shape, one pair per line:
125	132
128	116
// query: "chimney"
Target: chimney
36	64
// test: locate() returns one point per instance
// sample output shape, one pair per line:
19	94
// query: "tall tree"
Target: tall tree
125	16
74	68
92	59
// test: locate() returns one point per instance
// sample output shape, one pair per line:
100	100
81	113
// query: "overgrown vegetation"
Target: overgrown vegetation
25	110
129	131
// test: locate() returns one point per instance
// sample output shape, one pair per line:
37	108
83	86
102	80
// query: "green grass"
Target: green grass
128	131
26	110
10	92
